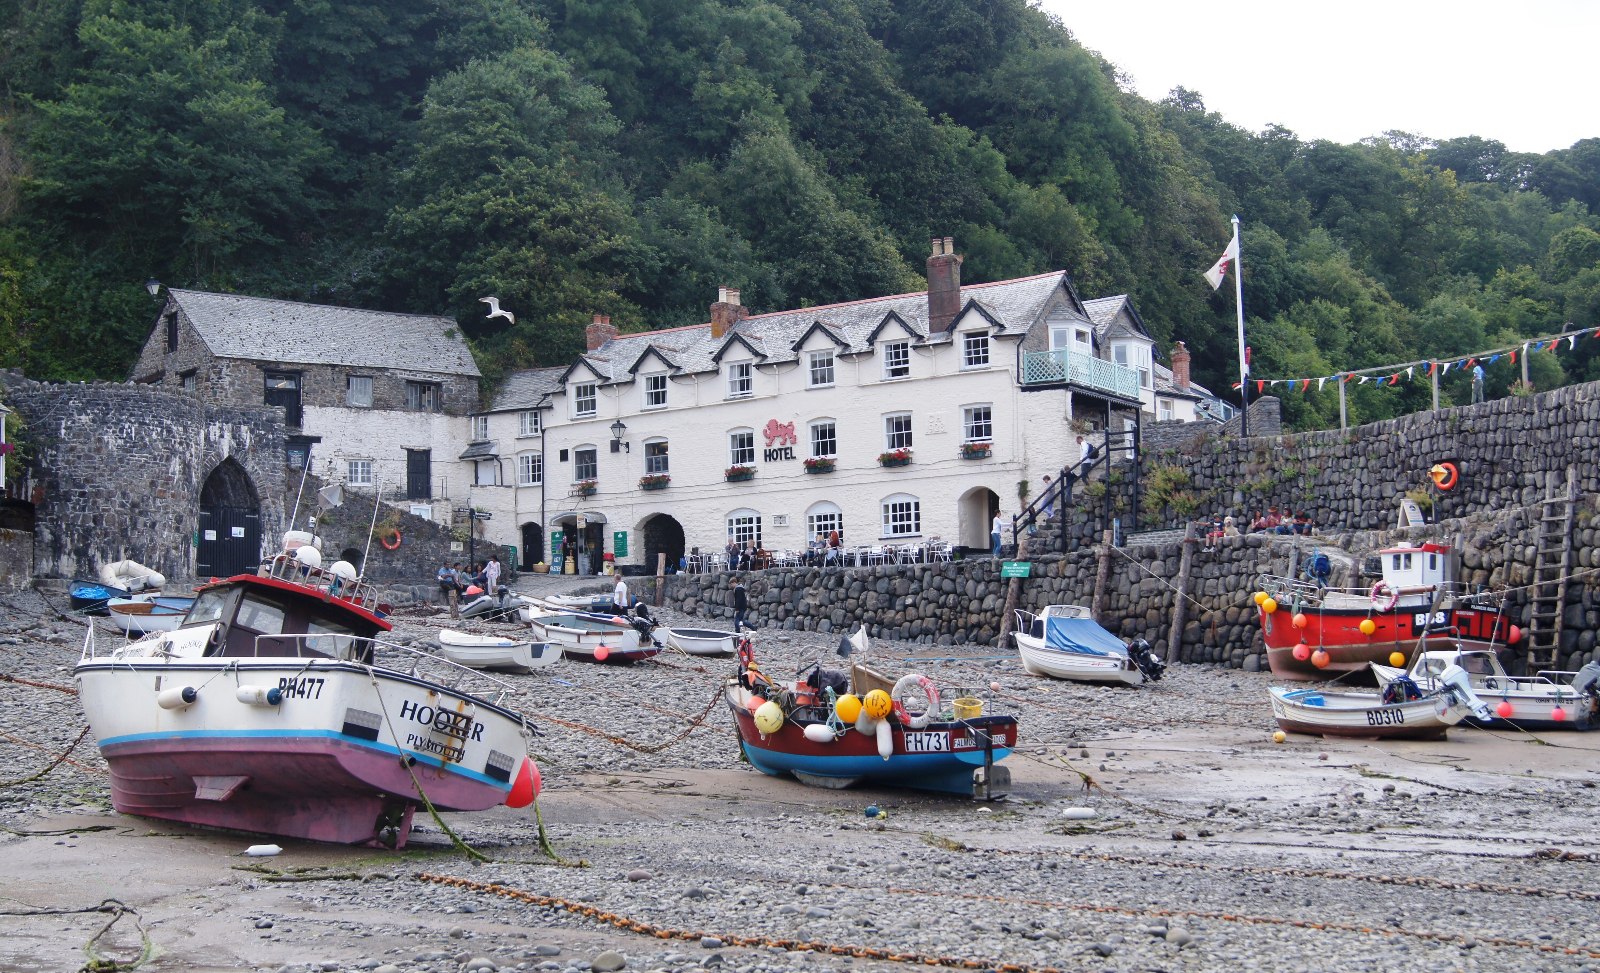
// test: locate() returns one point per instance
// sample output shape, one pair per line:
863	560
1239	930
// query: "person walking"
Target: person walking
619	595
491	574
1477	383
994	534
1049	499
741	605
447	584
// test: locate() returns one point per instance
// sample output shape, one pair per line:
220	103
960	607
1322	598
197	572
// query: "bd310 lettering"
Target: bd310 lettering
1385	717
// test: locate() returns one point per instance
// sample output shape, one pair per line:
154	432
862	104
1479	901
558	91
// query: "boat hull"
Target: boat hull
1338	632
338	758
701	641
580	636
1364	715
853	758
1532	702
490	652
139	618
1040	659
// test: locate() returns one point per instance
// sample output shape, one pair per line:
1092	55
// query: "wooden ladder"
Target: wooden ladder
1552	561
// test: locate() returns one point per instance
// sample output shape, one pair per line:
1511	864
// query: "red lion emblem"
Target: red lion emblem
781	433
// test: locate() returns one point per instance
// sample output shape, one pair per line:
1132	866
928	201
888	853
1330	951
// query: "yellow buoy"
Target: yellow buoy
878	704
1261	596
1397	659
1279	736
848	707
1368	626
769	717
1270	605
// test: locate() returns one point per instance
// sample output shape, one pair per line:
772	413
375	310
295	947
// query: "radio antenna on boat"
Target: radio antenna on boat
372	528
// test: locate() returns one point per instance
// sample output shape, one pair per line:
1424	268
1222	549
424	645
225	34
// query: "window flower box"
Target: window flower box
895	457
654	481
736	474
978	450
820	464
586	488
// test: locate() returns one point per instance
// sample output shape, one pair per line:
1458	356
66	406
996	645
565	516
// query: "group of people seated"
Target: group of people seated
1271	522
824	551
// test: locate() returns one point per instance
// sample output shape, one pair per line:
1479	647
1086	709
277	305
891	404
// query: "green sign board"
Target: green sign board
555	545
511	554
619	543
1016	569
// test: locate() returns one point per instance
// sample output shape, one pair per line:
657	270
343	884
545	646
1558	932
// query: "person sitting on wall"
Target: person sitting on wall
1302	524
1213	532
1258	523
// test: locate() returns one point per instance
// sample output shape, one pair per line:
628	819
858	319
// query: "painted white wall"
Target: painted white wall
383	436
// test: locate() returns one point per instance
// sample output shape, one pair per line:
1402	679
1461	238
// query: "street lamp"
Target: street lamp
618	430
153	287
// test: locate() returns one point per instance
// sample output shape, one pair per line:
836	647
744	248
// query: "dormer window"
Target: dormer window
975	349
655	391
583	401
897	360
821	369
739	379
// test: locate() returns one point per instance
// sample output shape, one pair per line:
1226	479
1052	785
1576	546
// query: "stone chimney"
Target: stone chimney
727	312
944	284
600	331
1180	367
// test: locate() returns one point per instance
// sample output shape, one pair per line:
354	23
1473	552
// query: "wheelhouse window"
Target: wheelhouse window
480	428
821	369
655	391
583	400
655	457
902	516
742	447
423	396
897	431
528	423
975	349
739	379
744	526
358	391
358	473
585	464
897	360
977	424
824	438
530	469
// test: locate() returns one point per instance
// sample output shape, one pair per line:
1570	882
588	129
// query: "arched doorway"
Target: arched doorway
974	514
532	546
352	555
662	535
230	523
585	544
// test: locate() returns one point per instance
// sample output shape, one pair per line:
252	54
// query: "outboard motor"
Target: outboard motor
639	618
1456	682
1145	658
1587	680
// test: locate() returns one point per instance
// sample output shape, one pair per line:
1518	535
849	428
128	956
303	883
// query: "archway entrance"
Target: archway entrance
352	555
974	515
230	523
532	546
662	535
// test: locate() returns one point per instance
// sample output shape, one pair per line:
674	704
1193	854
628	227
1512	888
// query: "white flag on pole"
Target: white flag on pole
1219	269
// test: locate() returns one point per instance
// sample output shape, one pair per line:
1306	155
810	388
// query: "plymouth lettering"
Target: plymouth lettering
425	744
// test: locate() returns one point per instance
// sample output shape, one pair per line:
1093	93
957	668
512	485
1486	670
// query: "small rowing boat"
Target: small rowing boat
495	651
1401	712
700	641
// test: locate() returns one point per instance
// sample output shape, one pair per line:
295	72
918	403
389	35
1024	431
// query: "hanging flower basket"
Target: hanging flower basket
585	488
654	481
735	474
820	464
977	450
895	457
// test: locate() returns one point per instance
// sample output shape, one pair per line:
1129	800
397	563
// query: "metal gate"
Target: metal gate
419	474
230	542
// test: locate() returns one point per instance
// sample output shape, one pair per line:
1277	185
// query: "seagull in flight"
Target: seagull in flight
495	310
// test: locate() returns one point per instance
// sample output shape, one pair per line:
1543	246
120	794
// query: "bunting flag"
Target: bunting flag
1572	342
1394	379
1319	383
1513	354
1260	386
1410	372
1433	366
1446	370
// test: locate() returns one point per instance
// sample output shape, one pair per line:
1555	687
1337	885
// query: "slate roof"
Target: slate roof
483	450
262	329
1105	313
1013	306
527	389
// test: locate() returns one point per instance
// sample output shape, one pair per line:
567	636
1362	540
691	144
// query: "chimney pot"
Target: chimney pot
1180	366
726	312
944	284
599	331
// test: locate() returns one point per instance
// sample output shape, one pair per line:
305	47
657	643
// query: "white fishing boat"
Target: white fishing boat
495	651
1065	642
593	638
594	604
1401	712
700	641
1549	700
138	617
268	711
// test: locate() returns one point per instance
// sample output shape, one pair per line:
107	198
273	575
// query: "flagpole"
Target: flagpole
1238	303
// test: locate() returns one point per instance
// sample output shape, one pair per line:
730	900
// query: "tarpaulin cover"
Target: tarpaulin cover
1083	636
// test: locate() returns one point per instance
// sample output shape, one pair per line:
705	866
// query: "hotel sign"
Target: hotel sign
781	440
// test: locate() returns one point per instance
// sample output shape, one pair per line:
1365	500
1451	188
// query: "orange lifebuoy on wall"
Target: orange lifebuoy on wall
1445	475
386	541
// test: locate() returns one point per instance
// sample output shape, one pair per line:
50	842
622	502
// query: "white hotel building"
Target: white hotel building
667	441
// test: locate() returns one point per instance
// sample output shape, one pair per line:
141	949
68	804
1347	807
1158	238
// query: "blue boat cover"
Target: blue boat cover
1082	636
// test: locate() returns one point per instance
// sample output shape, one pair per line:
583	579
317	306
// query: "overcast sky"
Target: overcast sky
1519	73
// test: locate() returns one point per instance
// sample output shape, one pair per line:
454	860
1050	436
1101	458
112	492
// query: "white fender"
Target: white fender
929	690
885	739
819	733
864	723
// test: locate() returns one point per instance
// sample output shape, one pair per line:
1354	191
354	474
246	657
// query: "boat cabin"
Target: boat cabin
264	616
1474	662
1426	565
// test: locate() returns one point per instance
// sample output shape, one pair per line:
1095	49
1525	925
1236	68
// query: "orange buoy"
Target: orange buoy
1320	658
1299	620
1302	652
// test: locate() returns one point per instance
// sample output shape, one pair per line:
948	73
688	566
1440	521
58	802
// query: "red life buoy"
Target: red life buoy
1384	598
392	542
1445	475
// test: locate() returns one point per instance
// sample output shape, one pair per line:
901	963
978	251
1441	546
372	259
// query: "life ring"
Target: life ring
1384	598
1445	475
929	690
385	541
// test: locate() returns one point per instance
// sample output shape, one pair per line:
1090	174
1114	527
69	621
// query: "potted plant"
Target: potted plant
737	472
977	450
654	481
820	464
586	488
895	457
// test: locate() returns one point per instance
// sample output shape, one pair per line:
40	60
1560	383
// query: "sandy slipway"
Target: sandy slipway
1210	848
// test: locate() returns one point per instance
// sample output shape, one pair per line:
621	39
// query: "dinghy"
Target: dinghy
495	651
1550	700
592	638
1064	641
700	641
1401	712
137	617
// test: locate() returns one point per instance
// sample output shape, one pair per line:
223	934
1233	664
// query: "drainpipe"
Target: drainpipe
544	478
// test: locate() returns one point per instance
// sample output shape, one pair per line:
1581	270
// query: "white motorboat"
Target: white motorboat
701	641
267	711
592	638
1550	700
594	604
1065	642
1401	712
495	651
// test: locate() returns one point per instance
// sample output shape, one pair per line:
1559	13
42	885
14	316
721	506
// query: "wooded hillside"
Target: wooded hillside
596	156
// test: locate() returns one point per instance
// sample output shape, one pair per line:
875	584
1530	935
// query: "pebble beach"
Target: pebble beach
1150	828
